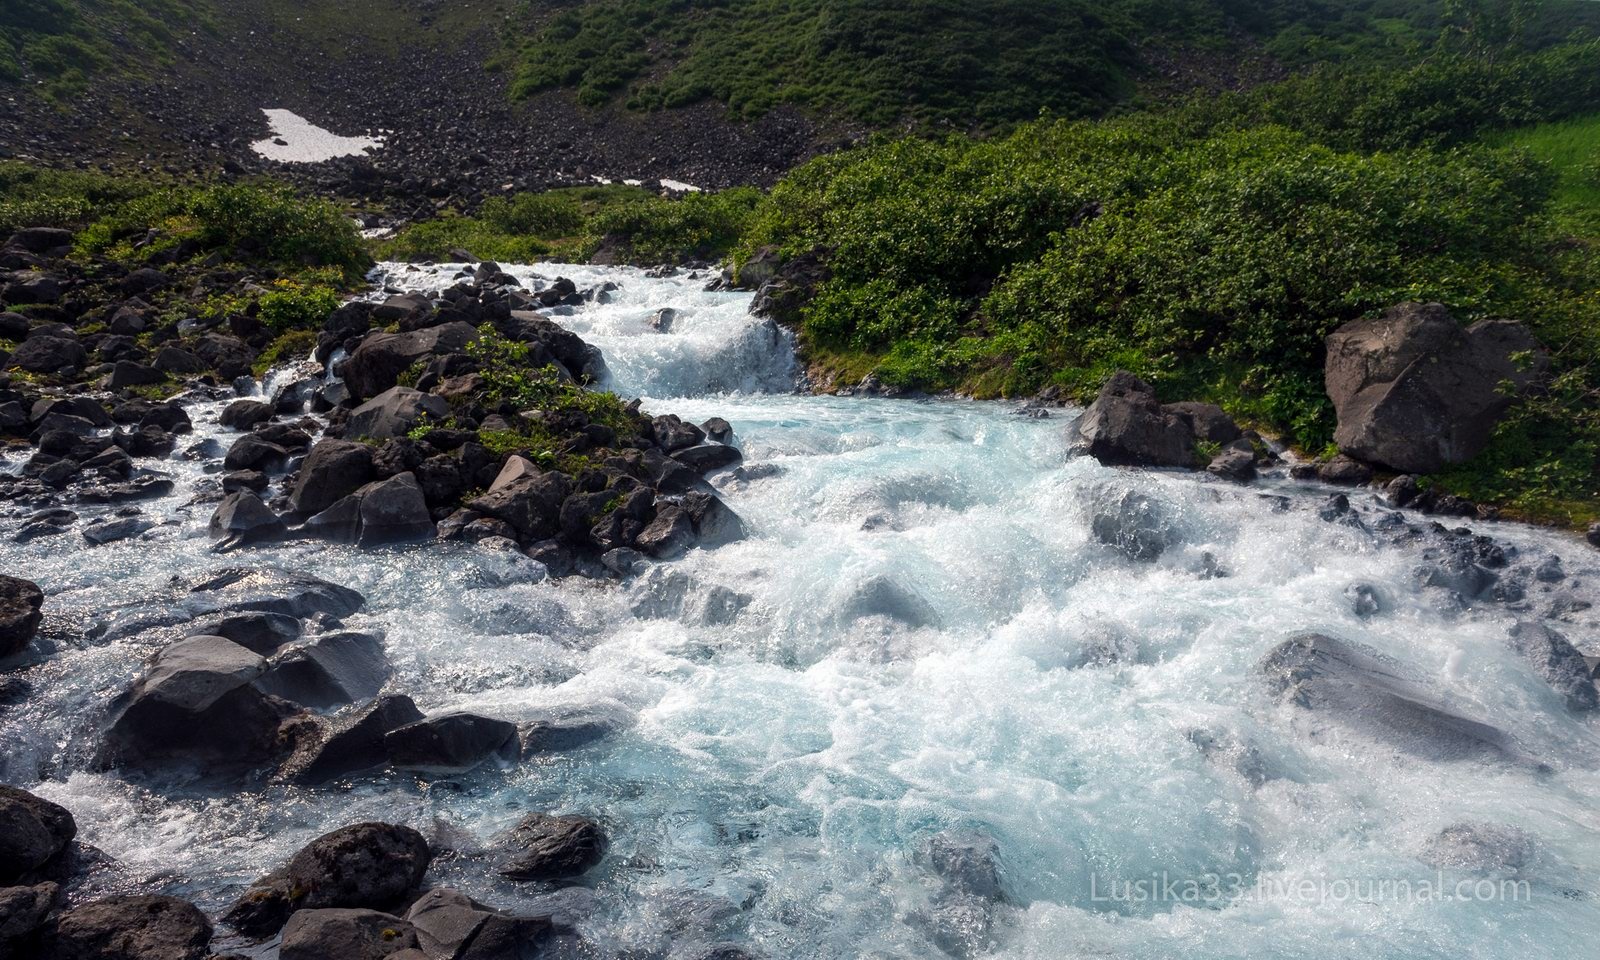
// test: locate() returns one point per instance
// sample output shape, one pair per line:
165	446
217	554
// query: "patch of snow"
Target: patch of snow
297	140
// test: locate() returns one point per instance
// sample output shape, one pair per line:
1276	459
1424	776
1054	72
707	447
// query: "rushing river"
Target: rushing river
920	637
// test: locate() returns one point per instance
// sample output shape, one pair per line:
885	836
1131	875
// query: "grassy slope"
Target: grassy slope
966	63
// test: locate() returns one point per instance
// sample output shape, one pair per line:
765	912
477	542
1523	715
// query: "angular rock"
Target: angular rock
365	865
393	511
1415	391
394	413
450	743
21	604
1207	421
243	518
32	832
261	633
530	503
1127	426
448	924
196	703
344	934
246	414
708	457
333	470
351	744
543	847
377	364
294	594
328	671
49	355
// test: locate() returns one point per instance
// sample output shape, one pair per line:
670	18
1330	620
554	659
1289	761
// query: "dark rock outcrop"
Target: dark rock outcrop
21	602
197	703
372	866
450	743
333	470
131	928
1415	391
352	743
393	414
32	832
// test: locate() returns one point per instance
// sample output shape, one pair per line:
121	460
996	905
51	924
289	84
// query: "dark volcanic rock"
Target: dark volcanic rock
344	934
1134	525
24	910
448	924
300	595
260	633
243	518
377	364
131	928
451	743
196	703
351	744
329	671
543	847
370	865
333	470
20	605
1415	391
32	831
51	355
393	414
1126	425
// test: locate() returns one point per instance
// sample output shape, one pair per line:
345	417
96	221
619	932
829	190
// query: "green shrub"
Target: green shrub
272	220
292	306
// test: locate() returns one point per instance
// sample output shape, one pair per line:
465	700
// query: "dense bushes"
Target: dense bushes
1213	258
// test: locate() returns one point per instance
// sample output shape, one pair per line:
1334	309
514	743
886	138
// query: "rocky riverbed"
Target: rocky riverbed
369	658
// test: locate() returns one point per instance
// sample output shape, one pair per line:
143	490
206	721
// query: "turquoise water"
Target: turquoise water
925	638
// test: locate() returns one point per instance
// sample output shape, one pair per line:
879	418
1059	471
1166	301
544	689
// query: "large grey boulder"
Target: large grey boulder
260	633
21	602
196	703
131	928
333	470
1127	426
1136	526
1416	391
344	934
1558	663
543	847
393	511
394	413
1356	686
32	832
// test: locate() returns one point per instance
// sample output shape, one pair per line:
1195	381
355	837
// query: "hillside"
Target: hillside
972	63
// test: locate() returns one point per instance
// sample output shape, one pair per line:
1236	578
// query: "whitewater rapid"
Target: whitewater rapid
920	635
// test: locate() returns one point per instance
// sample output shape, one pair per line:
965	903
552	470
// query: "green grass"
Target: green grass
628	223
1572	148
65	43
966	63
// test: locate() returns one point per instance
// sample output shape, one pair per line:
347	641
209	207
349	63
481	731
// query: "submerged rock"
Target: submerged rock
351	743
1134	525
299	595
1558	663
449	924
1480	847
1359	687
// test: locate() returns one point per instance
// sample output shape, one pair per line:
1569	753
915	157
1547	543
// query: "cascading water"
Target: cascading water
921	639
